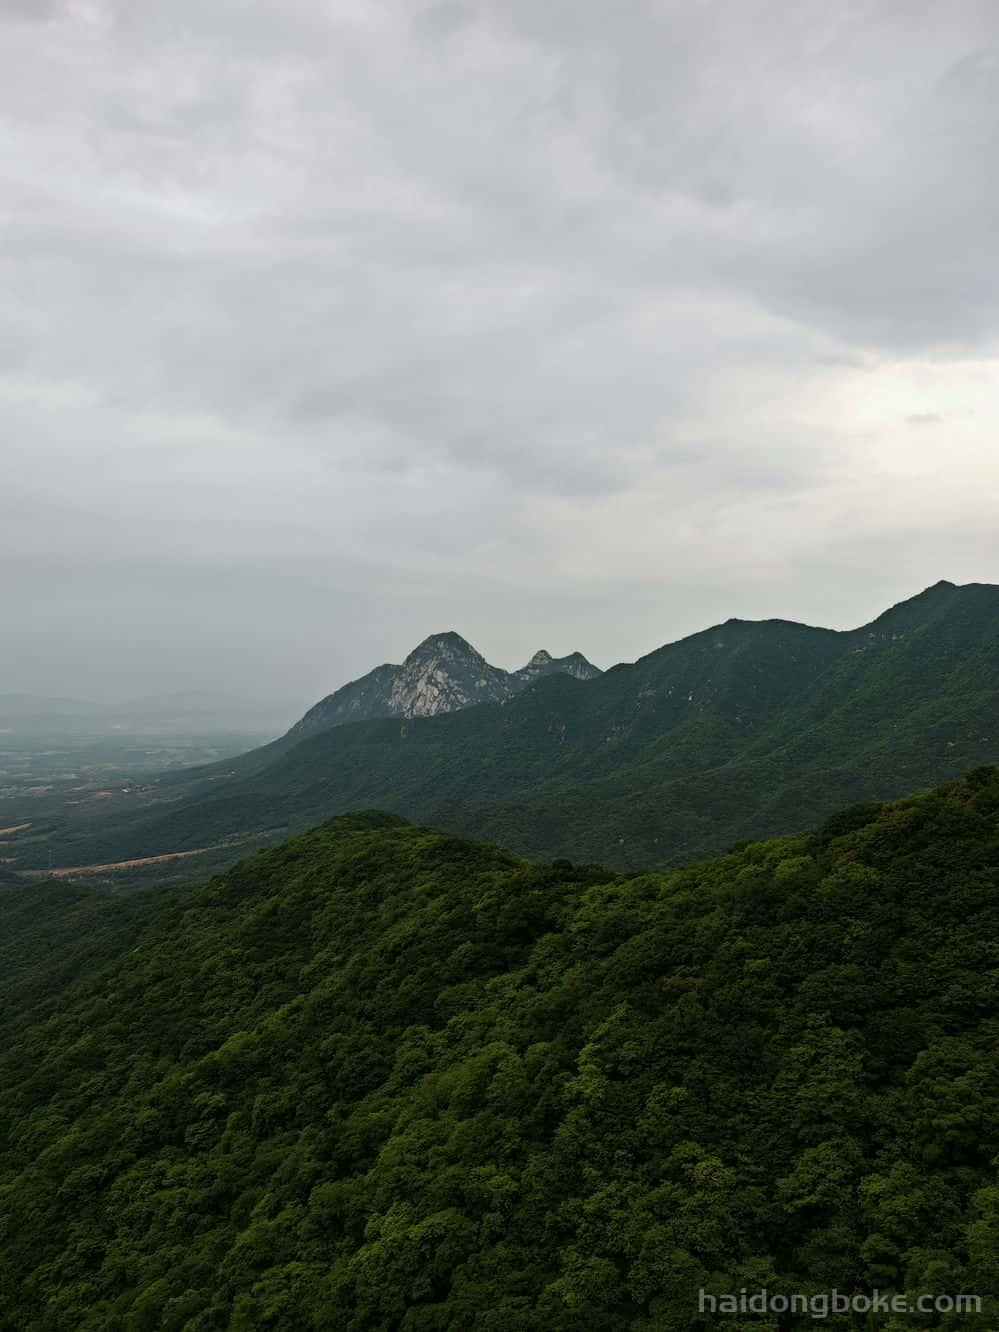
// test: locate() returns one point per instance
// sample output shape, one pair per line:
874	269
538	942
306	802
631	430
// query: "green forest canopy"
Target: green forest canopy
380	1077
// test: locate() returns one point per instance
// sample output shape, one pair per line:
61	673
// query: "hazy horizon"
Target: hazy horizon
218	696
569	325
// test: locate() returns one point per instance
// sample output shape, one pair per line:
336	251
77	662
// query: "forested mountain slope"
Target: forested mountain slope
746	729
382	1078
51	932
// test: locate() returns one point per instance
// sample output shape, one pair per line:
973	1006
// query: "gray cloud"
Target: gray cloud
594	319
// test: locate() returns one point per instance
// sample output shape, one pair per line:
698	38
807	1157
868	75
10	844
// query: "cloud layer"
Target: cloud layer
326	325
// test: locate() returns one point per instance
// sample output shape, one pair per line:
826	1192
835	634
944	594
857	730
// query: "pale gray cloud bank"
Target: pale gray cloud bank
574	323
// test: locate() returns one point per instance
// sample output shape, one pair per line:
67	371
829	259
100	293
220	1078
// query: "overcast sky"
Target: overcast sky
569	323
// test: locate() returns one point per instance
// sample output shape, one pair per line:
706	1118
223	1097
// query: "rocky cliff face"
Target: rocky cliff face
445	673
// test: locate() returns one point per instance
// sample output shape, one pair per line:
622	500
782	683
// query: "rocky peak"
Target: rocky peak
444	673
543	663
447	646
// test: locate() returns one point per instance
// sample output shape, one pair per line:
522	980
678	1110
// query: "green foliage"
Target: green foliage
382	1078
51	932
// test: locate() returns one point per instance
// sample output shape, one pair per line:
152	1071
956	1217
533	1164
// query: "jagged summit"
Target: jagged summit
543	663
443	673
541	658
446	644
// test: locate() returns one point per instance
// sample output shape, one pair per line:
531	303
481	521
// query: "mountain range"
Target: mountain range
744	730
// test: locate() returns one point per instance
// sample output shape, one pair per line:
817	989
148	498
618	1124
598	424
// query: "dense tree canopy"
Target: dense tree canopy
384	1078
